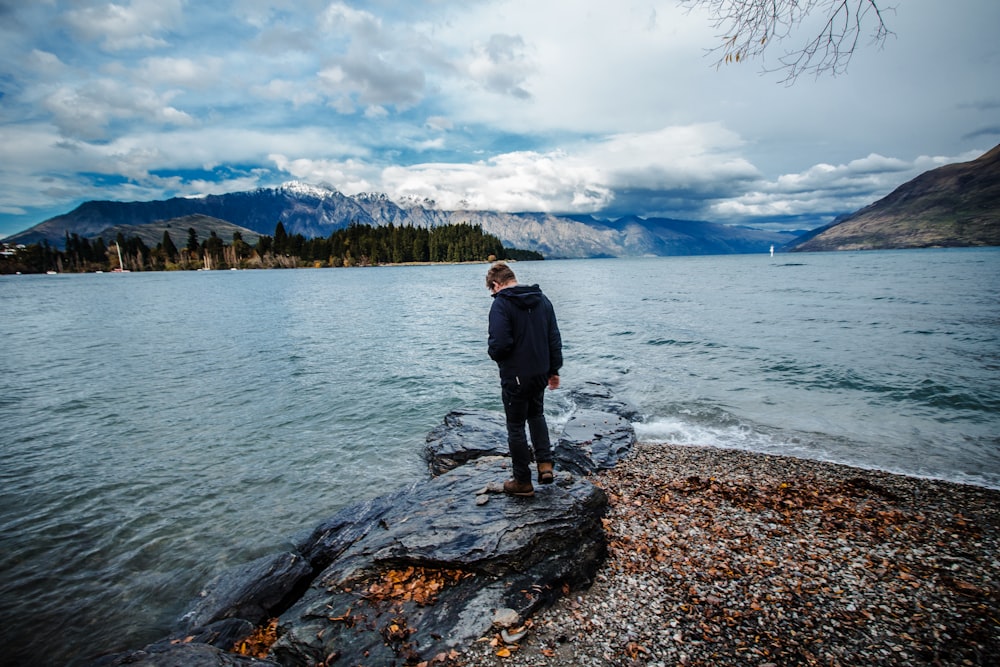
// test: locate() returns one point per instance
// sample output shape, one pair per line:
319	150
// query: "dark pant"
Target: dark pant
524	404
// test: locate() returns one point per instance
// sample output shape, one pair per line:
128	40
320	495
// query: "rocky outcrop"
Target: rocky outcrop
597	434
596	396
593	441
432	570
416	573
465	435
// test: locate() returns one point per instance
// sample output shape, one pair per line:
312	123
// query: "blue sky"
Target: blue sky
515	105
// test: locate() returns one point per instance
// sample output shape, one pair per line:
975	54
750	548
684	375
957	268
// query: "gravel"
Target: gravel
724	557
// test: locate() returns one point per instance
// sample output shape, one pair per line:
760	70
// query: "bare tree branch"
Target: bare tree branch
750	27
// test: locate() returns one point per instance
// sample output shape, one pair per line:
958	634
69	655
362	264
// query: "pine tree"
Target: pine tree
168	247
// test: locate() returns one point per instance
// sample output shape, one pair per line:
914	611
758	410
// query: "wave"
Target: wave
710	426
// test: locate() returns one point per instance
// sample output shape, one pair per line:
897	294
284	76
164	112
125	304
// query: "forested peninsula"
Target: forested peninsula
354	245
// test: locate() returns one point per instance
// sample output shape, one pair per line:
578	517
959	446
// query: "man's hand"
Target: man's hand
553	382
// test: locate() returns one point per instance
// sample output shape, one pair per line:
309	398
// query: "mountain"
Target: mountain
203	225
318	211
666	236
952	206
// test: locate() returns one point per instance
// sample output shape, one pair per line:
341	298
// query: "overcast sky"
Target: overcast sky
572	106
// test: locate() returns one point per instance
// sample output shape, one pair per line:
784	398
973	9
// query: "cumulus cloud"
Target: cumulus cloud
86	111
595	176
371	66
289	91
186	72
610	108
136	25
502	65
826	189
350	176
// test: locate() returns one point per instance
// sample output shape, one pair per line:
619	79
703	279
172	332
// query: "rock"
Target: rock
470	433
465	435
252	592
592	441
512	637
223	634
596	396
186	655
506	618
433	572
414	573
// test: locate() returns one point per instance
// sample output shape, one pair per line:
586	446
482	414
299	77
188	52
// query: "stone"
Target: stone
431	574
465	435
252	592
406	576
471	433
506	618
592	441
596	396
182	654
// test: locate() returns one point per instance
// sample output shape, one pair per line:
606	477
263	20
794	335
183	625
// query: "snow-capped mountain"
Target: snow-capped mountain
317	210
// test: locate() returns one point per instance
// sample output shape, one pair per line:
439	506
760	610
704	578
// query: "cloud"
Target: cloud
118	27
607	108
502	65
989	132
87	111
351	176
826	190
188	73
369	65
294	92
598	175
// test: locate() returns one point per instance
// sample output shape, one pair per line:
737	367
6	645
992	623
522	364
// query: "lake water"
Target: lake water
161	427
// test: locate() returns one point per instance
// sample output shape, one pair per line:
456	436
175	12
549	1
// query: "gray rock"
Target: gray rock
514	553
465	435
592	441
596	396
182	655
252	592
405	576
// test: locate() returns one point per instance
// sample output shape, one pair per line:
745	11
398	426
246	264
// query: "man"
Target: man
524	340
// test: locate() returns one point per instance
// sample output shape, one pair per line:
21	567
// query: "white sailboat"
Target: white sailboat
121	265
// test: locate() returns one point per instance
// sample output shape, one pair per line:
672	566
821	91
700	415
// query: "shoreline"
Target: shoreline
728	557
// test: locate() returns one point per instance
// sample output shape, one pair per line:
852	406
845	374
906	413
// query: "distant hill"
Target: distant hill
318	211
203	225
956	205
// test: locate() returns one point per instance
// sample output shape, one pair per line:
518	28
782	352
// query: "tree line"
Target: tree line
355	245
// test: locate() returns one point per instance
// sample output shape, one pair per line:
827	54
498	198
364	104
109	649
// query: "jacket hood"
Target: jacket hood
525	297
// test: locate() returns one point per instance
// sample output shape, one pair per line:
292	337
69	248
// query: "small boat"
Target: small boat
120	263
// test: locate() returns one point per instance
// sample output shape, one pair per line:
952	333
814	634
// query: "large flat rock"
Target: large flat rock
434	566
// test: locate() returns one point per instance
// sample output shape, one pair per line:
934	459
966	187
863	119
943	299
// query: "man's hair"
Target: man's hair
499	273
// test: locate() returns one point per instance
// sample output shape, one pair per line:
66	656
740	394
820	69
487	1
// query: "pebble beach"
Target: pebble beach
726	557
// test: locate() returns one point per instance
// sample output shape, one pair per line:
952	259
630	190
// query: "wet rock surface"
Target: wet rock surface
593	441
465	435
431	573
418	574
714	557
596	396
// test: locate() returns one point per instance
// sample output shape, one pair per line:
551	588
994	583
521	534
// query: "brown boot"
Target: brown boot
515	488
545	474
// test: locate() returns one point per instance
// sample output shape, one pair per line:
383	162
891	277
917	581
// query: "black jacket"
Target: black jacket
524	337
